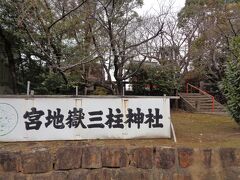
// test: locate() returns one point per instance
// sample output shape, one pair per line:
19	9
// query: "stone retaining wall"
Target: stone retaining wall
111	162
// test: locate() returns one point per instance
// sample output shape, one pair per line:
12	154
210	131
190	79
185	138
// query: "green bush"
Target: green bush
231	82
100	91
54	84
161	79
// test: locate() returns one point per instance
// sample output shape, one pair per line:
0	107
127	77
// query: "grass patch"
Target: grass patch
204	130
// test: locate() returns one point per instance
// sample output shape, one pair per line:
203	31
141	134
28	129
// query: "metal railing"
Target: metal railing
200	91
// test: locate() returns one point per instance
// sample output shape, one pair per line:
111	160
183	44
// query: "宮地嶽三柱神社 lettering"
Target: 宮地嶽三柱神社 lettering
76	118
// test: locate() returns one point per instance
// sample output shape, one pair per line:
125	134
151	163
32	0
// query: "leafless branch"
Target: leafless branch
127	76
146	40
231	25
83	61
65	15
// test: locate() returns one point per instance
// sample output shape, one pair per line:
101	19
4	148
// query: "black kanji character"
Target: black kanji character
95	119
75	118
116	119
151	119
56	119
136	118
130	118
33	117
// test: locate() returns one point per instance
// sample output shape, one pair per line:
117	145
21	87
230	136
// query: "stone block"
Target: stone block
59	175
101	174
19	176
78	174
114	157
42	176
165	158
36	162
207	155
68	158
185	157
133	173
94	174
141	157
9	161
210	175
227	156
237	156
109	174
146	175
159	174
232	174
91	157
181	176
7	176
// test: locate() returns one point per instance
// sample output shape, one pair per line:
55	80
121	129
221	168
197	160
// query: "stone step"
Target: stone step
215	109
197	97
209	110
205	102
199	101
190	94
208	105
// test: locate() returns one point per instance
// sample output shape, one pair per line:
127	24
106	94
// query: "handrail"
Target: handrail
203	92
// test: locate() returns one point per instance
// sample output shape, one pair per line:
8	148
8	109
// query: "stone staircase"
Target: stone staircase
198	102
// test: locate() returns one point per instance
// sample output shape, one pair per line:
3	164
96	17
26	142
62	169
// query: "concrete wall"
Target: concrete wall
115	162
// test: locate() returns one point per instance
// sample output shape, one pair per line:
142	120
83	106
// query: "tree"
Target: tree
216	23
10	39
62	41
171	45
52	27
118	36
42	37
231	82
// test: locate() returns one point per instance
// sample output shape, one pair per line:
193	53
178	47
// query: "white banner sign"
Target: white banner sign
40	119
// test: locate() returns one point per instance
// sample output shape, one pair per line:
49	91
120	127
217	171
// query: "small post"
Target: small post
187	88
173	133
76	90
85	90
197	105
32	92
28	88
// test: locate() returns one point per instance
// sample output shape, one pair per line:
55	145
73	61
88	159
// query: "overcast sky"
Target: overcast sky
153	5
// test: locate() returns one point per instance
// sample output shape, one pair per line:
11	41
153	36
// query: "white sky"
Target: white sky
153	6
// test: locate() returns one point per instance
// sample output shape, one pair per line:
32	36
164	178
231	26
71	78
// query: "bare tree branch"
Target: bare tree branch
231	25
146	40
83	61
65	15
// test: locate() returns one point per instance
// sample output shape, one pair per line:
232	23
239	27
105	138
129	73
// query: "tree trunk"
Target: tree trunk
11	61
119	88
